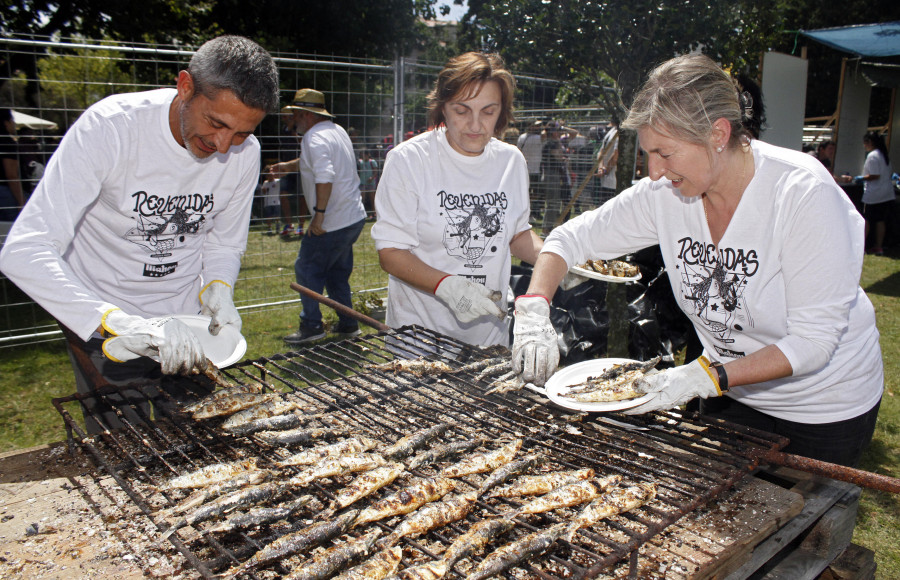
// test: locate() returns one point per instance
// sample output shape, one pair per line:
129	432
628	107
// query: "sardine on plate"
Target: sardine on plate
326	564
364	485
569	495
444	451
485	461
613	384
477	537
334	466
343	447
230	404
517	552
409	443
210	474
298	541
540	484
379	566
431	517
616	501
406	500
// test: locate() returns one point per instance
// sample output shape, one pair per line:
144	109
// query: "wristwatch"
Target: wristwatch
317	210
721	375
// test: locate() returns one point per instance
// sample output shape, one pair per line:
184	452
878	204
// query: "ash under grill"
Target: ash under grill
348	384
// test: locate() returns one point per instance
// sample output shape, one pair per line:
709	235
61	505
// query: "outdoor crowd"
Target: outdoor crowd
143	211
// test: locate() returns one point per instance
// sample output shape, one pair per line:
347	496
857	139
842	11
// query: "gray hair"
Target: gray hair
239	65
683	97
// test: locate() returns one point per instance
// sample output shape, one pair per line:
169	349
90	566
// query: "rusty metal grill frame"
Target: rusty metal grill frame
692	459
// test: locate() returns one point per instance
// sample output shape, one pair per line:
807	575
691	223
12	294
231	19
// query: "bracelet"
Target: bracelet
317	210
722	375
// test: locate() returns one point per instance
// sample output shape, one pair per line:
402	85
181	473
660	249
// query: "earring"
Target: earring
719	149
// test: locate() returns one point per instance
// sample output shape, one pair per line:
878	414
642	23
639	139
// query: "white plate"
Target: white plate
605	277
223	350
570	376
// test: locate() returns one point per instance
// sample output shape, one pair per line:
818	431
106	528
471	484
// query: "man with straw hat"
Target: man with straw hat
327	169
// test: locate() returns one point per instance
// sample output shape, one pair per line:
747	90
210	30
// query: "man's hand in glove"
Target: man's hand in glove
535	353
468	301
165	338
674	387
217	302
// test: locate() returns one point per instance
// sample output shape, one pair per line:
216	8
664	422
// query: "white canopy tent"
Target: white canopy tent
34	123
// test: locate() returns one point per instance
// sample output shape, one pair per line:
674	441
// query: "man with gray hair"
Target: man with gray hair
143	213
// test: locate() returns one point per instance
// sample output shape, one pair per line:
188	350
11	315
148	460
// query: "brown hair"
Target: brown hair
464	75
683	97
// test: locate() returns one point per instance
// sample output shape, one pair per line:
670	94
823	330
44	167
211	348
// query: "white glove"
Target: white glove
165	338
674	387
535	352
216	301
468	301
571	280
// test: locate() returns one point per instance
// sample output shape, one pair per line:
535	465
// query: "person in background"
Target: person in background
825	154
292	201
452	208
368	180
609	157
12	197
327	169
270	192
143	213
554	174
748	233
878	195
530	143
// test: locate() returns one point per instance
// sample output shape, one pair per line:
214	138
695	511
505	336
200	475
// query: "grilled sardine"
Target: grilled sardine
364	485
327	563
379	566
314	455
477	537
508	471
444	451
276	423
210	474
418	367
541	484
209	492
406	500
501	368
260	516
570	495
614	384
430	517
334	466
231	404
406	445
427	571
223	394
616	501
506	384
517	552
482	462
277	406
296	542
299	436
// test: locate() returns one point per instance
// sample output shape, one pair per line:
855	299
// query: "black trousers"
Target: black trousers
841	442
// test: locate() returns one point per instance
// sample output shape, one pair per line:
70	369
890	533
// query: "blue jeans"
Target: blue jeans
9	208
326	262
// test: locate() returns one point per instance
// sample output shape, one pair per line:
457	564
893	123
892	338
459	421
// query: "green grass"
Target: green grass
31	375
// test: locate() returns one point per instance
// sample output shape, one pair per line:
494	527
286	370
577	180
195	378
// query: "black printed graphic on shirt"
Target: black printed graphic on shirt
475	231
713	283
163	224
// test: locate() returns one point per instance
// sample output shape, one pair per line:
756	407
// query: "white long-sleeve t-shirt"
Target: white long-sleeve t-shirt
457	214
125	217
785	273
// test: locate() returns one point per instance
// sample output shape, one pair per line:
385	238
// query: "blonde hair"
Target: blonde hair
684	97
464	75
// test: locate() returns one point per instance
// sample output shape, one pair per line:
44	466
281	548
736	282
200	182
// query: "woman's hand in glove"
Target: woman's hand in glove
217	302
467	300
535	353
677	386
165	338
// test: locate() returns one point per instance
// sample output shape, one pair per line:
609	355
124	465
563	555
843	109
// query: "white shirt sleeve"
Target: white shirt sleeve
397	206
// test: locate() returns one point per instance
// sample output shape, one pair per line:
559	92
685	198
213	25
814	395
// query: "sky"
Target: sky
456	12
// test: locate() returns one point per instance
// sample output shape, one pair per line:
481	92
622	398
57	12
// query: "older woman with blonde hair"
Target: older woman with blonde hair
453	206
764	254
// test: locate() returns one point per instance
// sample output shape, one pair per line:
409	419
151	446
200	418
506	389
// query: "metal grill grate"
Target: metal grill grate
691	461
